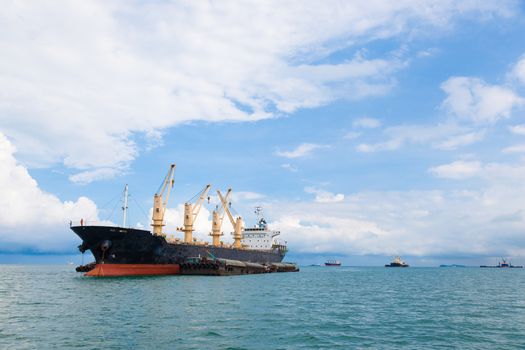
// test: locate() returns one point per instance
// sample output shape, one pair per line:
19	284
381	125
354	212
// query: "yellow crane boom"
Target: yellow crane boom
236	223
160	203
217	219
191	211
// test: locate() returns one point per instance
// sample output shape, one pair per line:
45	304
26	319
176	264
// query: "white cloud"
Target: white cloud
246	196
351	135
289	167
518	72
457	170
428	52
461	140
31	218
487	221
517	129
302	150
520	148
366	122
79	80
448	136
468	99
473	100
322	196
393	144
86	177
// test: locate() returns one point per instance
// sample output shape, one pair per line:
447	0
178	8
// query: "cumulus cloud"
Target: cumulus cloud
30	218
474	100
472	104
81	81
457	170
487	221
322	196
303	150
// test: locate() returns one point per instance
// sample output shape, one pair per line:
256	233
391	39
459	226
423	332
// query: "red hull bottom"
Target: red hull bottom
113	270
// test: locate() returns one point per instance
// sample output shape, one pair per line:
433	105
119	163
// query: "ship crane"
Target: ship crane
236	223
191	210
217	218
159	203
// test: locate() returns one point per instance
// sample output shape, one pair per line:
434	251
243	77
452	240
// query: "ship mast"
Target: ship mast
125	207
191	210
159	203
217	218
236	223
260	218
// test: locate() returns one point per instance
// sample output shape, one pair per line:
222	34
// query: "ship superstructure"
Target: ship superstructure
260	236
397	262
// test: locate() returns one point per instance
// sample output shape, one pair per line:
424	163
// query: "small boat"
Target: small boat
397	262
332	263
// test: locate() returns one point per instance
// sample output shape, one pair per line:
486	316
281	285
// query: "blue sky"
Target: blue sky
365	129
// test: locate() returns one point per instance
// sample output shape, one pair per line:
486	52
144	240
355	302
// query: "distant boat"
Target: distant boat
397	262
453	265
332	263
504	264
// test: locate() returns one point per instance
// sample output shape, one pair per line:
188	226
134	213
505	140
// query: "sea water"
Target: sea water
53	307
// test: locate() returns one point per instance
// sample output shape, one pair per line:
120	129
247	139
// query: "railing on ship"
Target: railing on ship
84	222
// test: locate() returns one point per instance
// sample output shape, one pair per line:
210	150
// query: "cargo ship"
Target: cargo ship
131	251
332	263
503	264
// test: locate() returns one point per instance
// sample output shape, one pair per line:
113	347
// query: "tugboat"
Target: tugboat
397	262
332	263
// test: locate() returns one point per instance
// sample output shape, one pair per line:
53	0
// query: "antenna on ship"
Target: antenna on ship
260	218
125	207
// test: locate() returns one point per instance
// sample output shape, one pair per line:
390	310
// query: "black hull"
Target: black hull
116	245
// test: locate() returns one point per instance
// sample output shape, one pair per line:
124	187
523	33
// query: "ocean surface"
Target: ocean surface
53	307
